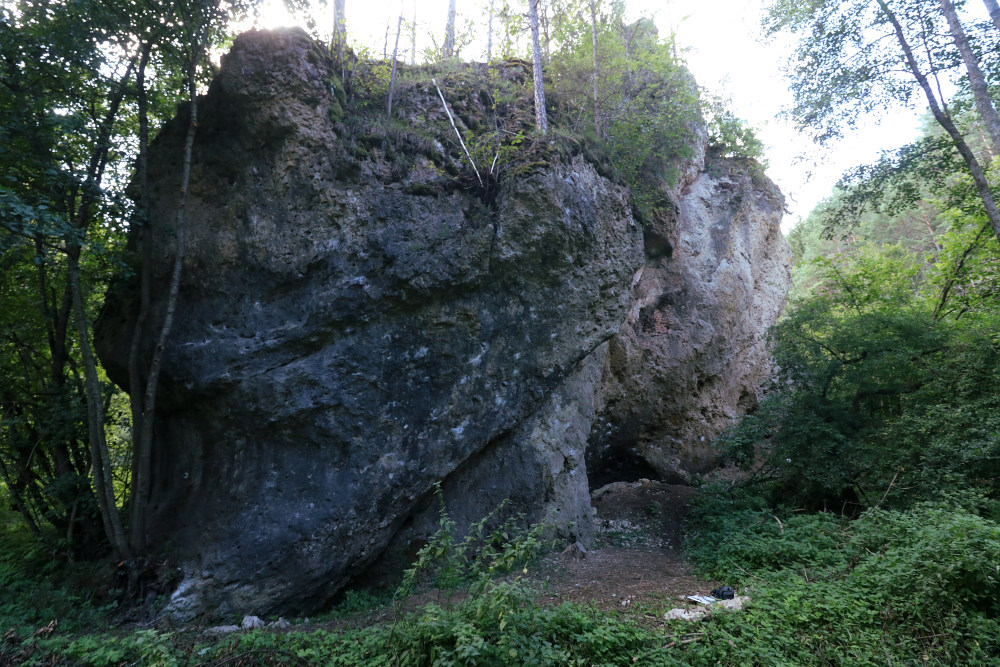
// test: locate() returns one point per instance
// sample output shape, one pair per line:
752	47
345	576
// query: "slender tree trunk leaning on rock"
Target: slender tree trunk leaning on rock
597	99
136	390
457	133
100	457
994	10
448	51
977	80
944	119
541	119
141	485
395	51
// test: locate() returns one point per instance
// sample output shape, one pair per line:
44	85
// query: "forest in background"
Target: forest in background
866	523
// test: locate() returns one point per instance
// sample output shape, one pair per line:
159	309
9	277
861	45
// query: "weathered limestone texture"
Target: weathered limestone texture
692	355
357	324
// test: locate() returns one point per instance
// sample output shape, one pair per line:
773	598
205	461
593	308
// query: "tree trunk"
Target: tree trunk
977	80
541	119
395	51
994	10
943	119
489	35
413	36
448	51
141	485
100	459
544	22
136	390
597	100
339	39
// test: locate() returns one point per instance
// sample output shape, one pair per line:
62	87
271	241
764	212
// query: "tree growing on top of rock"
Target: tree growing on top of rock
541	118
339	39
625	81
448	50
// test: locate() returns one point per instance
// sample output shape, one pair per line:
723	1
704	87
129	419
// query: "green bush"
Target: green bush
33	588
919	585
881	400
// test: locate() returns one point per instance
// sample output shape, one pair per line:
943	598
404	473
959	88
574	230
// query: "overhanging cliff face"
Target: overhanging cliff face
355	327
692	354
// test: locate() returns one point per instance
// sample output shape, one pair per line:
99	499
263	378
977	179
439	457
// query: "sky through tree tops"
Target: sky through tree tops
723	46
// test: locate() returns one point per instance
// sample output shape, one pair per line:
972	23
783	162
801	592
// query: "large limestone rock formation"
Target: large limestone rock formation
357	325
692	353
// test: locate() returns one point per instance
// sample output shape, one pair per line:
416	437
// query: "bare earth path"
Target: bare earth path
637	565
635	570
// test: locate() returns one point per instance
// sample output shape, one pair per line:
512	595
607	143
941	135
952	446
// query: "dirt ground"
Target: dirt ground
635	569
637	563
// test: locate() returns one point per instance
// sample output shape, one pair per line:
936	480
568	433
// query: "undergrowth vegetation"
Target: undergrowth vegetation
866	527
916	586
491	617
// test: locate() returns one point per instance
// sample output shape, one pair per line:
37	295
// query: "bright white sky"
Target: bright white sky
725	51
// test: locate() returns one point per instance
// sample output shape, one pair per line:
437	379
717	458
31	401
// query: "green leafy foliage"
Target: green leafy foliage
649	105
847	62
866	527
888	362
730	136
907	586
38	589
475	560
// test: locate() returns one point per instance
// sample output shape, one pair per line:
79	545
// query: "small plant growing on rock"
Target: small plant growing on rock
477	558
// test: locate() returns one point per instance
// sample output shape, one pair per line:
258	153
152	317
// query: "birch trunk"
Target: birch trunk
943	119
448	51
339	38
489	35
977	80
395	51
994	10
597	99
541	119
413	36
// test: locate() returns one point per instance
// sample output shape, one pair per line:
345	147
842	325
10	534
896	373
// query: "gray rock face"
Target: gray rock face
352	331
692	355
